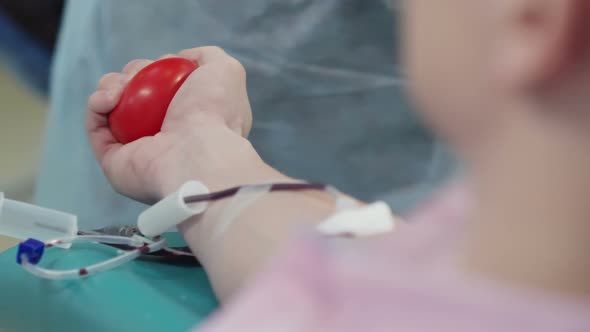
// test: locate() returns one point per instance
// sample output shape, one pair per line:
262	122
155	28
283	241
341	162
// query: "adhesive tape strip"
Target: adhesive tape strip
246	196
368	220
172	210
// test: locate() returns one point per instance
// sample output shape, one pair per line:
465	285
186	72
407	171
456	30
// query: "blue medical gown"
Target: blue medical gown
323	81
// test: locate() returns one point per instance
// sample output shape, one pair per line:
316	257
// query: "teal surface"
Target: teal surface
140	296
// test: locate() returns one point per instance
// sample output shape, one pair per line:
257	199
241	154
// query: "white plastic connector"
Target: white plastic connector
23	221
368	220
172	210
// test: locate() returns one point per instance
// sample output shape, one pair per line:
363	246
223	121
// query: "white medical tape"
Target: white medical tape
372	219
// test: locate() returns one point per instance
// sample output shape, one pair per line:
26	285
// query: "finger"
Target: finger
112	79
204	55
136	65
99	134
220	61
247	125
103	101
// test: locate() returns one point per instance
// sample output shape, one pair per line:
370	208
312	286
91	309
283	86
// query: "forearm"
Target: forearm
254	236
234	254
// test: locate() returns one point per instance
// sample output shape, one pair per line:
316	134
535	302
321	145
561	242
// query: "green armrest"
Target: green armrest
139	296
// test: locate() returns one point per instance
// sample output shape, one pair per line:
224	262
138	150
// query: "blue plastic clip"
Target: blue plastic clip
33	249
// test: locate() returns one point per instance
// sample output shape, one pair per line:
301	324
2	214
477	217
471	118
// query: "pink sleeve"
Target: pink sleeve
288	294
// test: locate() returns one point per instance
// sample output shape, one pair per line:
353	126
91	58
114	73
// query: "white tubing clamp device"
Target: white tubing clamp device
172	210
22	221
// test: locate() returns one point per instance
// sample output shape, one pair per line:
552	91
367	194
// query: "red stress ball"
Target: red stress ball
144	102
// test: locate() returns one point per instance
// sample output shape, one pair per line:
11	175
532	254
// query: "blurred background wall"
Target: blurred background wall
28	31
21	126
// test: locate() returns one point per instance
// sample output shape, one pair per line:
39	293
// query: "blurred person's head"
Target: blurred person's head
507	83
484	72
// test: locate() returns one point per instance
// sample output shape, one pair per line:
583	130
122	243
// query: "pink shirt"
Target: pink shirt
405	284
